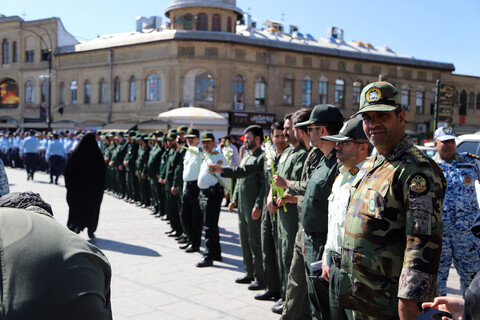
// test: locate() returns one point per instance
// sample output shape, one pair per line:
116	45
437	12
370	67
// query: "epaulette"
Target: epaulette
215	152
473	156
418	155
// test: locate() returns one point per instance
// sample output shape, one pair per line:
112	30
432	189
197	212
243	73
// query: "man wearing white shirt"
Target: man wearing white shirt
352	150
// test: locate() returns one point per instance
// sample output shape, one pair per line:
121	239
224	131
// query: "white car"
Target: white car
469	143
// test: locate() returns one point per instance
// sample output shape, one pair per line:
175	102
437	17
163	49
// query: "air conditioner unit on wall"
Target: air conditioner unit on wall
421	127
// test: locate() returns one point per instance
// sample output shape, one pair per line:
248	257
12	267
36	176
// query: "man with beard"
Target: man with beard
248	194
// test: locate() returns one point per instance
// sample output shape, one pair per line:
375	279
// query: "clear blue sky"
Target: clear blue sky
437	30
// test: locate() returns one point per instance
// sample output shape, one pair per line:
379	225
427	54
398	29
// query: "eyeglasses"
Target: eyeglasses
309	129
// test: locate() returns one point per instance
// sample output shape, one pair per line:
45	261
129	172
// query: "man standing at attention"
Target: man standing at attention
459	210
393	228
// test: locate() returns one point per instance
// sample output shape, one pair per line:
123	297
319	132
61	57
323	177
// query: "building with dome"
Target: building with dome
204	53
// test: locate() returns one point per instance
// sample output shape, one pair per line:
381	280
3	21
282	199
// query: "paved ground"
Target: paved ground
152	278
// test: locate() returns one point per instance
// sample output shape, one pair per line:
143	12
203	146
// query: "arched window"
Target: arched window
238	92
15	52
44	97
288	90
478	101
202	22
188	22
216	22
471	100
229	24
5	51
61	92
88	92
73	92
307	92
340	93
323	90
260	88
29	92
102	97
116	90
204	84
357	89
153	87
463	103
133	90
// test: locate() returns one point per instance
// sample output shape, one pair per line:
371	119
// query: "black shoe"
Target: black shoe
245	280
174	235
278	307
219	258
267	296
180	237
193	249
205	262
158	215
256	285
165	218
169	232
182	240
185	246
91	235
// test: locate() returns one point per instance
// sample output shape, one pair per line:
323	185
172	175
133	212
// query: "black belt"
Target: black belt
189	183
336	258
213	189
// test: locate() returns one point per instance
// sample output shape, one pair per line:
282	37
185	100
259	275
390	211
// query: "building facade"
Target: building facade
209	54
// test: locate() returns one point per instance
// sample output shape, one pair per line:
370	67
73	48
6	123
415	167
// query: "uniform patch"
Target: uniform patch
220	162
467	179
419	184
374	94
354	171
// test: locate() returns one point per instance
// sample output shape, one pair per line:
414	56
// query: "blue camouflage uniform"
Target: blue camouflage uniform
459	210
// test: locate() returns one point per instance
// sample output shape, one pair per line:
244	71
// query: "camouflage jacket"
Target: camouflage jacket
393	232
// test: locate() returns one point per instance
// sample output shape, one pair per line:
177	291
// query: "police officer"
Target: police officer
211	195
55	157
460	207
116	161
190	213
141	170
393	228
29	151
352	150
153	165
129	164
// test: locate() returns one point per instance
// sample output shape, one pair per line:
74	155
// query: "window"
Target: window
463	103
116	90
62	93
15	52
216	22
229	24
419	102
288	85
306	92
202	22
323	90
478	101
204	85
357	89
29	92
133	90
103	92
45	97
339	93
5	51
153	87
88	92
188	21
30	56
45	55
405	97
471	100
73	92
238	92
260	86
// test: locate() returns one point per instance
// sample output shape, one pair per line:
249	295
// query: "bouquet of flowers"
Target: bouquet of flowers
228	156
198	154
270	155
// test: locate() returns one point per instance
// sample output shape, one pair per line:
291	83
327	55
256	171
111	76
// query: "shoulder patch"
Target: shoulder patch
418	155
220	162
472	155
419	184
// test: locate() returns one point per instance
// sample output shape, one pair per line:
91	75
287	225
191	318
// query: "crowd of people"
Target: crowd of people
338	218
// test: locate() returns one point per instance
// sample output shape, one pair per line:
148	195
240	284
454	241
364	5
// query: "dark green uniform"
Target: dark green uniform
129	162
173	178
141	173
153	166
249	192
110	174
118	155
161	175
314	218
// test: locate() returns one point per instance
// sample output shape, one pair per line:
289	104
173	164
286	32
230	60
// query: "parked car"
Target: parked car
469	143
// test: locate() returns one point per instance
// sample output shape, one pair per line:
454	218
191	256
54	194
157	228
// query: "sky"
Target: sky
436	30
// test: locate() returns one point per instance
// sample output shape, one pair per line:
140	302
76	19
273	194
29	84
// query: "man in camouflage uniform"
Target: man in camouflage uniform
459	210
393	228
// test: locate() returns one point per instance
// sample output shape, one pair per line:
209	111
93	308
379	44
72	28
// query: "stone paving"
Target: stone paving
152	278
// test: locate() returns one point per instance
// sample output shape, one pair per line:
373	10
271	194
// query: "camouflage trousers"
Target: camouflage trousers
464	249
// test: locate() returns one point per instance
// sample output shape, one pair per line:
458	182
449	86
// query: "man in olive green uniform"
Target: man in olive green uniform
116	162
248	194
153	165
161	184
393	228
129	164
107	147
141	170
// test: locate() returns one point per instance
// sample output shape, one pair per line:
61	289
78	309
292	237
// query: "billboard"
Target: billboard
9	94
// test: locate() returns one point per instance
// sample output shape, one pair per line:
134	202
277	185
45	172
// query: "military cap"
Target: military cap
159	133
193	133
182	129
160	139
444	134
172	131
131	133
152	136
379	96
103	137
325	113
171	136
109	135
207	136
121	133
351	130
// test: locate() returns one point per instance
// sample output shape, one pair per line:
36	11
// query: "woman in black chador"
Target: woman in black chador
85	182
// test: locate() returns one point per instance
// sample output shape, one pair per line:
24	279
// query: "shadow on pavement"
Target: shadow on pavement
122	247
451	291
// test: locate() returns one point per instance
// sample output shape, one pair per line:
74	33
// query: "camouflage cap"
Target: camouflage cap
351	130
325	113
193	133
182	129
170	136
208	136
379	96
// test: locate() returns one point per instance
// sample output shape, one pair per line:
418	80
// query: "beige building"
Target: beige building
207	54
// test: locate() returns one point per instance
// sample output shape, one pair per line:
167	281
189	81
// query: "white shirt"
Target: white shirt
191	165
206	179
